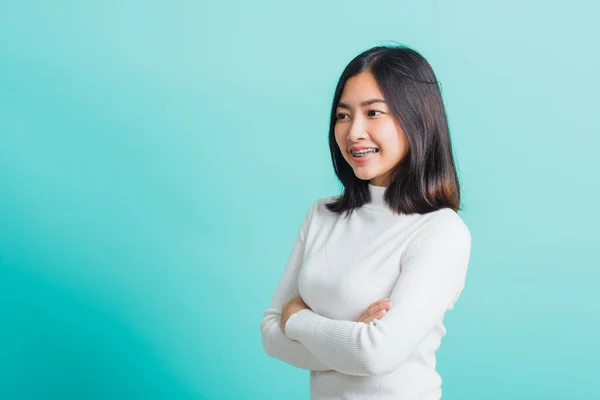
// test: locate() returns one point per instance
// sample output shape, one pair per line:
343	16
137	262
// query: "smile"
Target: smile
363	156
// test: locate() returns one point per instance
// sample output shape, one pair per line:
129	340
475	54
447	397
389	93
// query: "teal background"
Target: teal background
154	172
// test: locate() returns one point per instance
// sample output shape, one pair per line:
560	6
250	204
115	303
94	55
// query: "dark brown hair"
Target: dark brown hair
425	180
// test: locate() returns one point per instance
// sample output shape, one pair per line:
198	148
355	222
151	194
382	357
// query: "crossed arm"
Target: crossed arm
433	274
275	342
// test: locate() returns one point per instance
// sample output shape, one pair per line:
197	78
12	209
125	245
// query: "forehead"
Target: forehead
360	87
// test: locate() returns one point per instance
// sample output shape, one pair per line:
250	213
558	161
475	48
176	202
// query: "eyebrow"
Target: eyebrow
363	104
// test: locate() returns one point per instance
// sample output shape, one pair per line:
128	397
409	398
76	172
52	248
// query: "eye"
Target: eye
340	115
377	111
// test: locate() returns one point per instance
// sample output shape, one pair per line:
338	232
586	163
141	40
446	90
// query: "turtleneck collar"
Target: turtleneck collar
377	193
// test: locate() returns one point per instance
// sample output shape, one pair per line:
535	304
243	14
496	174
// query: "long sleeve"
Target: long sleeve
433	273
275	342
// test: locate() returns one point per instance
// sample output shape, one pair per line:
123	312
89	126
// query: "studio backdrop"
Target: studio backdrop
156	159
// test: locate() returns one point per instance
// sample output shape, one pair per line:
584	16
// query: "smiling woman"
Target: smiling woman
362	298
389	98
367	134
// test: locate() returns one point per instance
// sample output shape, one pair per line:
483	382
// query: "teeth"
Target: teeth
365	151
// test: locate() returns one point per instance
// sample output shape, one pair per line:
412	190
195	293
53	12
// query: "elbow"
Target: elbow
268	328
265	338
265	343
381	351
267	347
383	360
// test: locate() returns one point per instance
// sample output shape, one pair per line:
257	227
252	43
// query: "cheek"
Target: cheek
340	136
394	144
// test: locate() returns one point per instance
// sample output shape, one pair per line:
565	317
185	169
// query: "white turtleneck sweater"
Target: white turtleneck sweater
339	267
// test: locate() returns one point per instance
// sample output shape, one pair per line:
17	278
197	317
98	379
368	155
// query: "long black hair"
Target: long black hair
425	180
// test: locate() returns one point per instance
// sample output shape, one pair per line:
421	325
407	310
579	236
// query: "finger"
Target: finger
375	307
379	302
375	316
385	305
362	317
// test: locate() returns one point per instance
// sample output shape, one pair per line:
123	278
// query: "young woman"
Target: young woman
373	271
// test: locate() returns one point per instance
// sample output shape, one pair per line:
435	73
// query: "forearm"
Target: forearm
346	346
377	348
278	345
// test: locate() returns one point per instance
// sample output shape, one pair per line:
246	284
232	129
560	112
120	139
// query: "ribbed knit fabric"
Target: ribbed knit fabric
339	266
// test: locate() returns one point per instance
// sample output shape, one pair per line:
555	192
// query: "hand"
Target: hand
375	311
291	307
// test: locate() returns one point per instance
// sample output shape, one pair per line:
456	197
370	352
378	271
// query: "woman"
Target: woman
362	299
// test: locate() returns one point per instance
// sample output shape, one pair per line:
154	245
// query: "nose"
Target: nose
357	131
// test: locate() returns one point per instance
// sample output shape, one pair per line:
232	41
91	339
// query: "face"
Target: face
364	121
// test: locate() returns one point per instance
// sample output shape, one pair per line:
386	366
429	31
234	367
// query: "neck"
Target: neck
377	193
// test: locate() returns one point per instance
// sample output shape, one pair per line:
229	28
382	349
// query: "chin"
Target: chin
364	176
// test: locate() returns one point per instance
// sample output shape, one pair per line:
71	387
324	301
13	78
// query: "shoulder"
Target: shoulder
316	209
442	236
444	225
318	212
448	220
319	205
